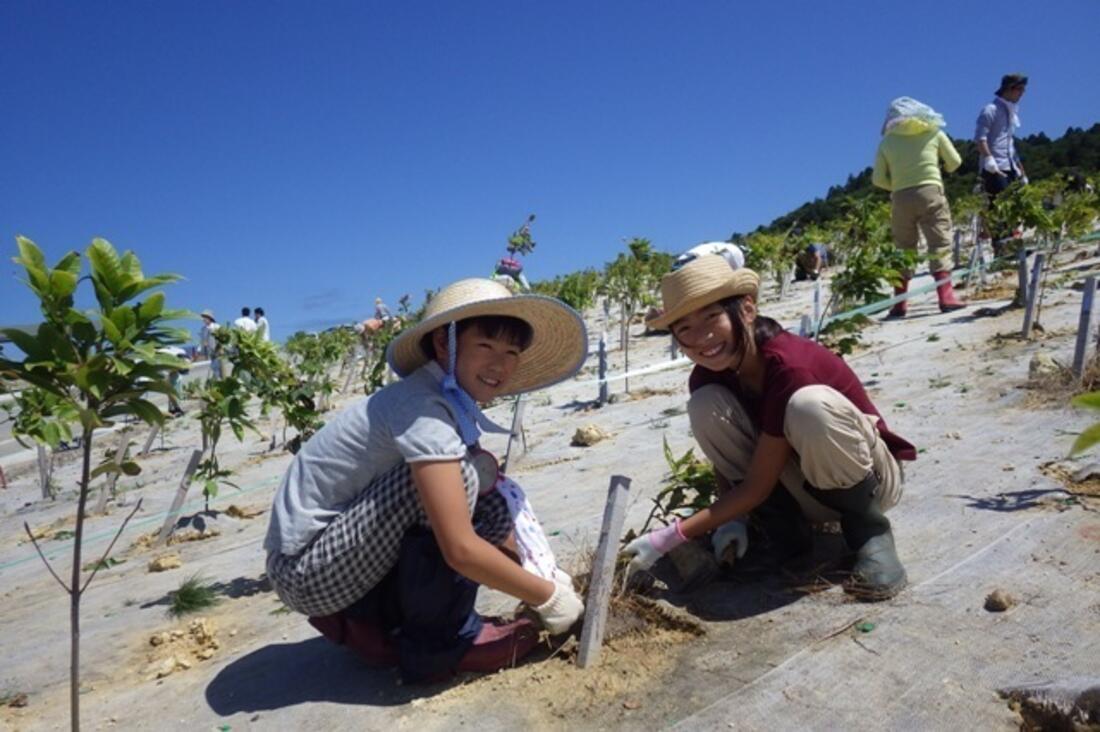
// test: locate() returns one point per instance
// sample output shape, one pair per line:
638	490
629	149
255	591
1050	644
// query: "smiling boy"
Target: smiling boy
387	520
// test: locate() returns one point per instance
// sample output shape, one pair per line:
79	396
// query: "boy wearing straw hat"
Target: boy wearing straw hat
792	434
387	520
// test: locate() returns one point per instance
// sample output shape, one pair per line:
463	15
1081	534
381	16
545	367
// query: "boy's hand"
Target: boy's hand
562	610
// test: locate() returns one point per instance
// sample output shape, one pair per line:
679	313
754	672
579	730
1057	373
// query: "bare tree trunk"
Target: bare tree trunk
626	354
74	587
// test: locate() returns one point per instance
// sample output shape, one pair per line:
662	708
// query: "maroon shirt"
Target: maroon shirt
790	363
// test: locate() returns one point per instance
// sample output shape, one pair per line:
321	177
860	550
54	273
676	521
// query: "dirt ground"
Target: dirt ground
990	504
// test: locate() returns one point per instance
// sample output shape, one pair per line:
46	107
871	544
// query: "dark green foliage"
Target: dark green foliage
691	486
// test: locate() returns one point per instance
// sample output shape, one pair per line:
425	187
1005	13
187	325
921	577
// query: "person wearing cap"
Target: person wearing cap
792	434
995	137
208	344
907	164
388	519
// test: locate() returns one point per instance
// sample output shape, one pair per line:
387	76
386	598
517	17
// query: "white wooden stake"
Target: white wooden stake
149	440
603	572
44	471
601	372
1084	325
177	502
1032	294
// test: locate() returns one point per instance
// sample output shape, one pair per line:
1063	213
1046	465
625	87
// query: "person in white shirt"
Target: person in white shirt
262	326
245	322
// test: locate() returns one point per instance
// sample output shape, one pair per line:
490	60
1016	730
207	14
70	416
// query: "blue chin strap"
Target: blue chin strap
471	421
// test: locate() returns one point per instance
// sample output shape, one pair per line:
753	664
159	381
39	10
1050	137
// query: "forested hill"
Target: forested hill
1077	151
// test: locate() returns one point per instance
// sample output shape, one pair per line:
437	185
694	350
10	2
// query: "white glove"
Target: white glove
989	165
1024	180
563	578
562	610
730	537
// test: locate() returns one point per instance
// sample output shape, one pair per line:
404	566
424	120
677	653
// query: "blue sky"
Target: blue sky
307	157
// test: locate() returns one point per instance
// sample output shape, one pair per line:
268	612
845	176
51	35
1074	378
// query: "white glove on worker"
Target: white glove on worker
989	165
562	610
730	541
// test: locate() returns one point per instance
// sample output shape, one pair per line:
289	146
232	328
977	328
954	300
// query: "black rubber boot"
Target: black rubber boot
877	574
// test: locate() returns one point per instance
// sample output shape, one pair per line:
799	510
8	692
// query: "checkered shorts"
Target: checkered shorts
361	545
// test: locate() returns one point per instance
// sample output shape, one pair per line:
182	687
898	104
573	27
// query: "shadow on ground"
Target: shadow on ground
233	589
283	675
740	594
1012	501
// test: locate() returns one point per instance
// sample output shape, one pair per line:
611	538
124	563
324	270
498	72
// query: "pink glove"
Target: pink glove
649	547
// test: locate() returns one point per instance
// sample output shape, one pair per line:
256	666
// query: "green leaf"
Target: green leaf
103	469
62	283
131	267
210	489
1085	440
69	263
130	468
146	411
1090	400
106	268
152	306
30	256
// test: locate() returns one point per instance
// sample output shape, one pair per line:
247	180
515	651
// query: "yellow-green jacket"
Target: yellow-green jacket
909	156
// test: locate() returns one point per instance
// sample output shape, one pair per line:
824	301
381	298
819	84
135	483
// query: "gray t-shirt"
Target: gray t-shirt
408	421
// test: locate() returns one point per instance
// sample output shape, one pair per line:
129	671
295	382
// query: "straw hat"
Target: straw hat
697	284
559	342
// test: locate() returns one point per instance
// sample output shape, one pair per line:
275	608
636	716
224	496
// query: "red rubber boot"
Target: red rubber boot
900	309
946	292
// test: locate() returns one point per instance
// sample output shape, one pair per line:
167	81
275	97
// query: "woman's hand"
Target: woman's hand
649	547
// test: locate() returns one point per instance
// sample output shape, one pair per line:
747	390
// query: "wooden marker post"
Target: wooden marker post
806	327
603	572
601	373
817	301
1032	294
44	471
177	502
149	440
517	433
1021	276
1084	325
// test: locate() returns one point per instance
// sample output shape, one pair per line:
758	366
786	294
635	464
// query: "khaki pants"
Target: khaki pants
836	445
922	208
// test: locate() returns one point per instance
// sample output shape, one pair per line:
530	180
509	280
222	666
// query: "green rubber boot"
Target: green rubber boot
877	574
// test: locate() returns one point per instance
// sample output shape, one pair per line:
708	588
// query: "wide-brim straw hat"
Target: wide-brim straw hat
699	283
559	342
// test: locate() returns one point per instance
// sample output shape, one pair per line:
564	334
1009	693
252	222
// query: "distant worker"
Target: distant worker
995	137
245	322
908	165
810	262
381	312
208	345
262	326
509	272
731	252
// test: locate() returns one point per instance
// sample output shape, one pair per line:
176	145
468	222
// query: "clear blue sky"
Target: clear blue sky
308	156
